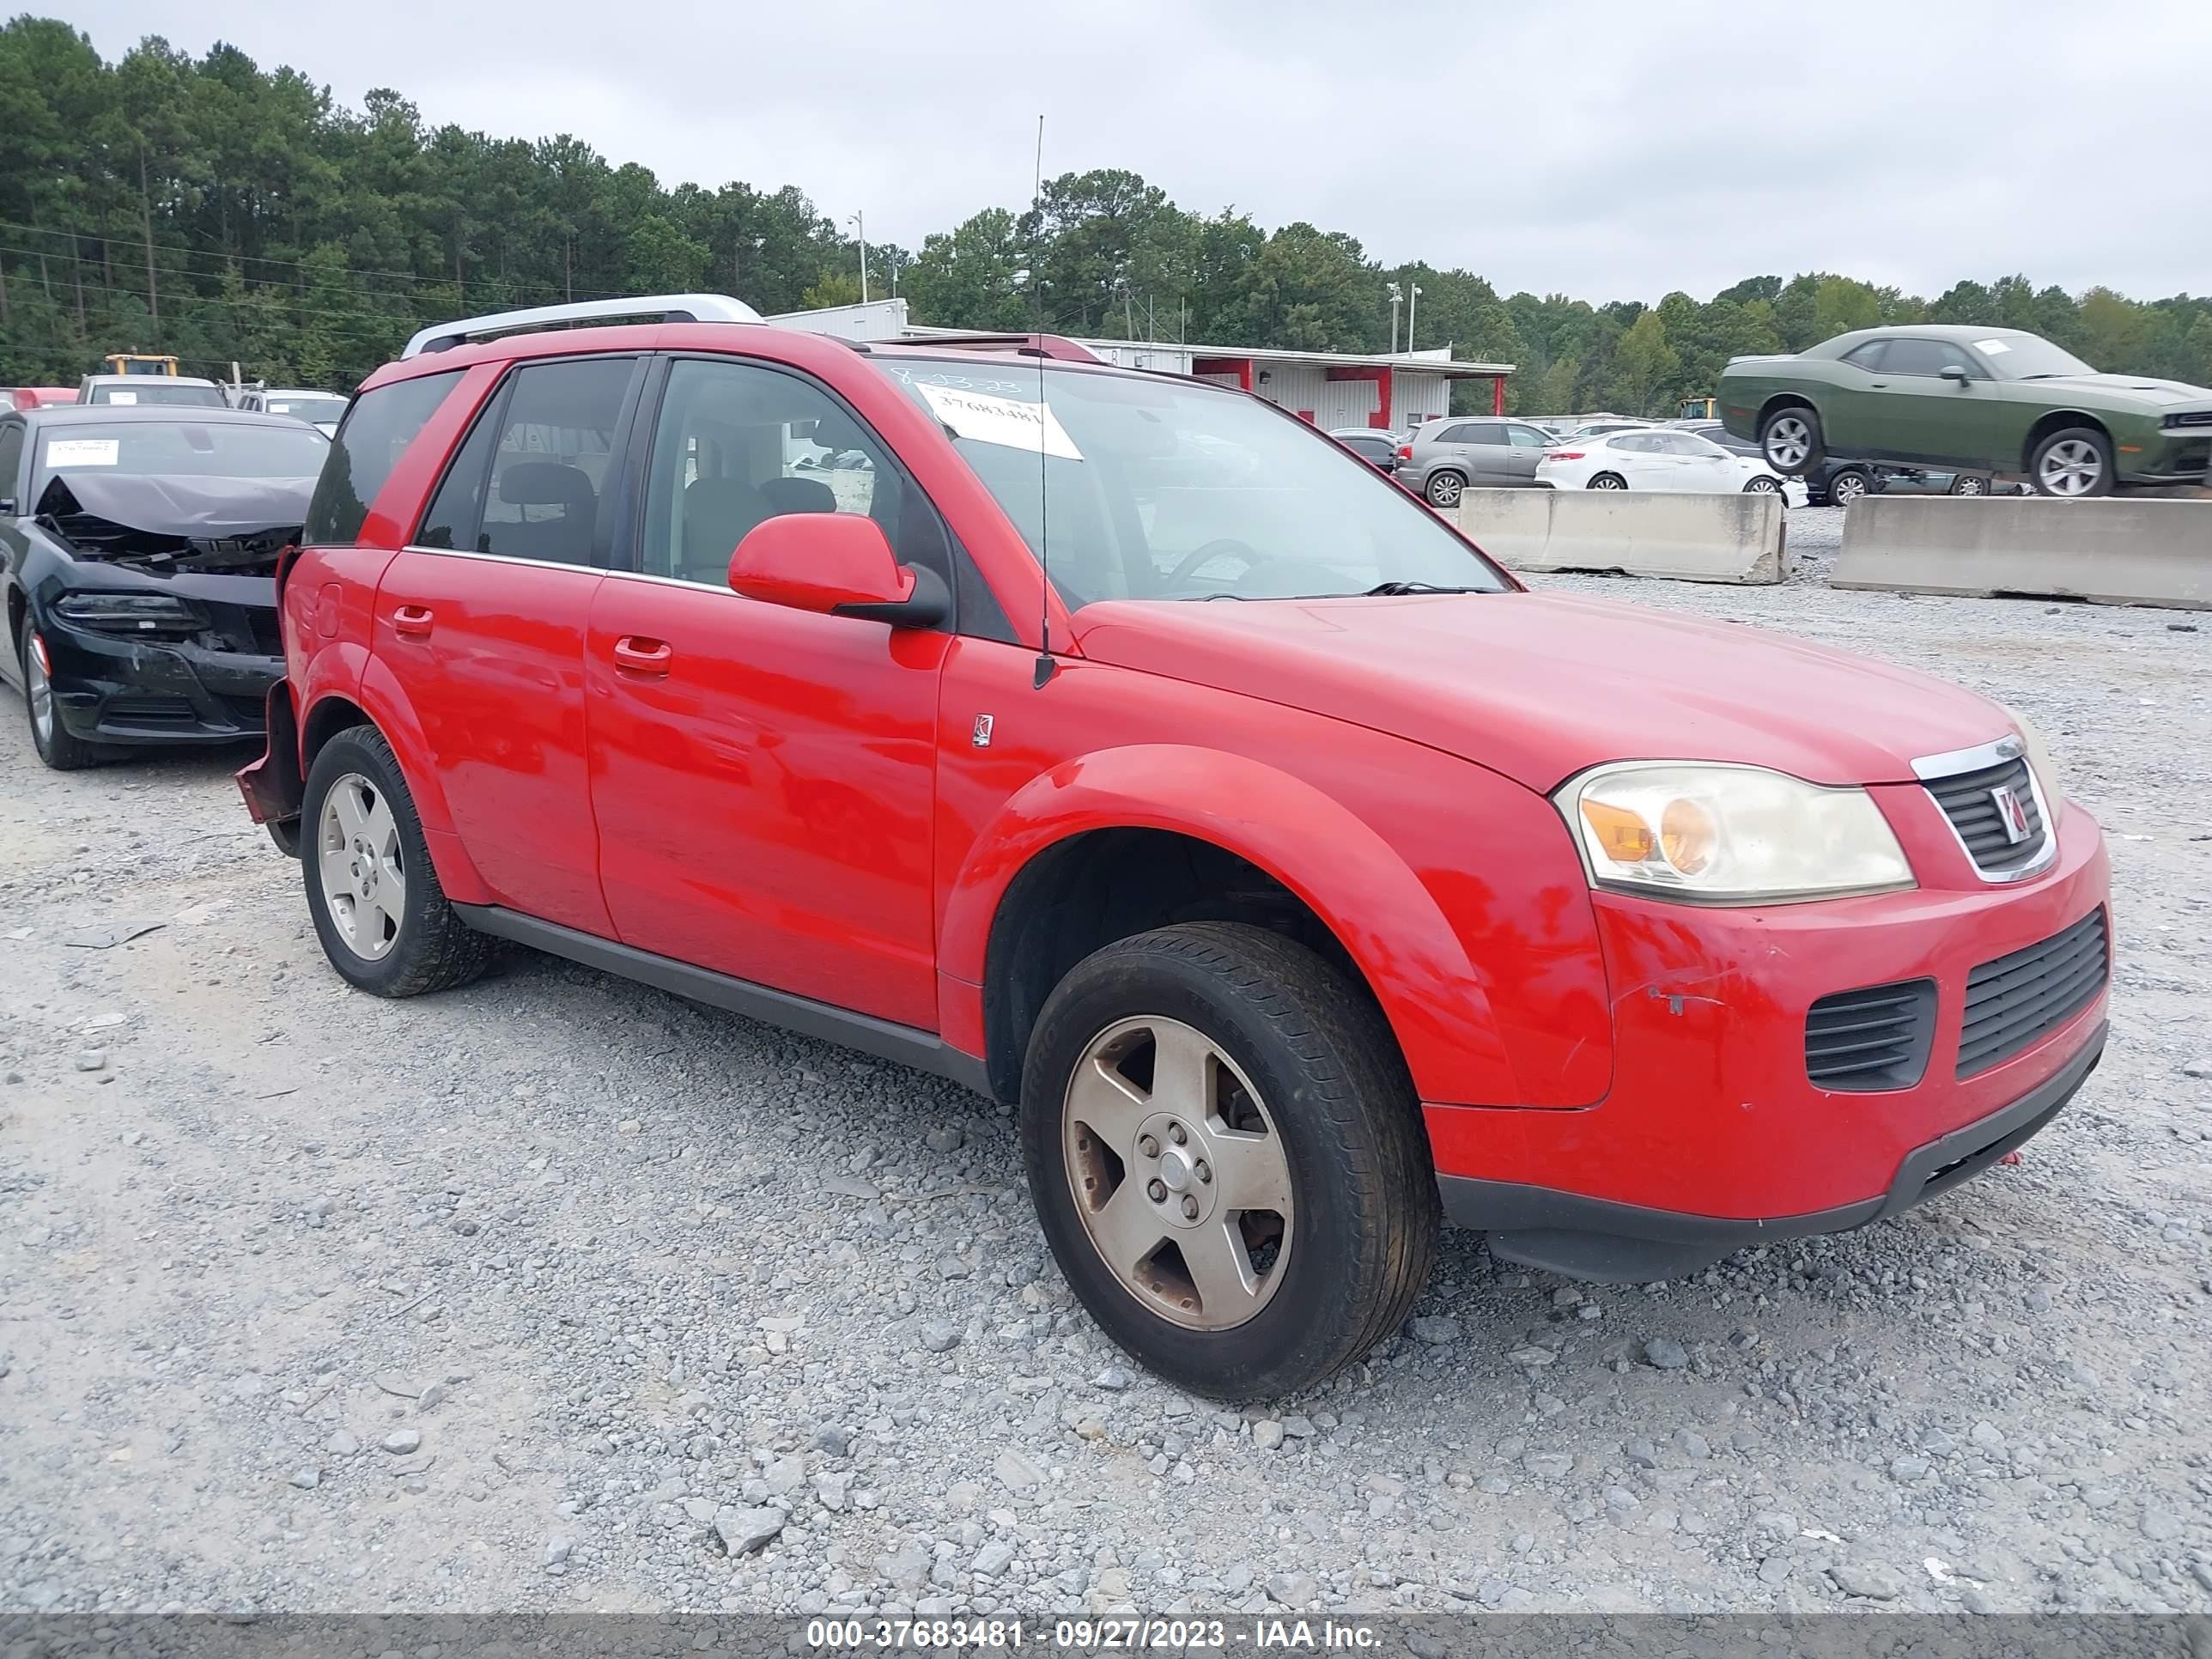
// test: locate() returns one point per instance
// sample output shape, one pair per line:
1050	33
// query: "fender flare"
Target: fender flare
1337	865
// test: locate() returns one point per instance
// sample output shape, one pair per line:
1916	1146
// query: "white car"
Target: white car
319	409
1657	457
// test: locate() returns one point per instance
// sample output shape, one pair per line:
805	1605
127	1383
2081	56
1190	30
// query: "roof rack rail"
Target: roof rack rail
1056	346
665	308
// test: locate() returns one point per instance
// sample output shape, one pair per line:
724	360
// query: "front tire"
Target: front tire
61	749
1760	487
1848	486
1227	1157
1968	483
2073	463
1790	440
384	920
1445	489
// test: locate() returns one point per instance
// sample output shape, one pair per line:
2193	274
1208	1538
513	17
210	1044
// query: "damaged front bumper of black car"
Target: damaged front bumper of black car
203	681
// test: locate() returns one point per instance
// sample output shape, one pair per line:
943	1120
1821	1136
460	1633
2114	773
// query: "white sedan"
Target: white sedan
1658	457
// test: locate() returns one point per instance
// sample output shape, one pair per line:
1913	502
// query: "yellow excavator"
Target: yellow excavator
135	363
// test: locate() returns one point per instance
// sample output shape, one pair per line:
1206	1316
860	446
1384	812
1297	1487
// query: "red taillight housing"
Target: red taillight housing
1563	454
1405	452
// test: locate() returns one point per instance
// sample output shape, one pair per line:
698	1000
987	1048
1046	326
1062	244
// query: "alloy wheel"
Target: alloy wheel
1607	481
1179	1174
1445	489
1761	487
2071	468
1846	488
1971	487
1789	442
362	868
40	690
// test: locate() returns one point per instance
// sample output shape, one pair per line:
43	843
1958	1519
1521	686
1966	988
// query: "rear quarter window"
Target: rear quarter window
375	434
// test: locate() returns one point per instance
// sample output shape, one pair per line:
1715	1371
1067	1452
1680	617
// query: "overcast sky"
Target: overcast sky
1607	150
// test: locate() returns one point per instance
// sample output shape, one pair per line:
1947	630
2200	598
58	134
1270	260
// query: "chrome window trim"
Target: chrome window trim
1935	768
504	558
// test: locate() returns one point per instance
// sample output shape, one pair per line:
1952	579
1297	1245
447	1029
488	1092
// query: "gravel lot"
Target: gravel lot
559	1292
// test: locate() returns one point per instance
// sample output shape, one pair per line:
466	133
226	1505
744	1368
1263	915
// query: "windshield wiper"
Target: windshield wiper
1385	590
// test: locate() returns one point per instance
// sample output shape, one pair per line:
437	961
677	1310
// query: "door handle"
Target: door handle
412	622
648	658
1878	385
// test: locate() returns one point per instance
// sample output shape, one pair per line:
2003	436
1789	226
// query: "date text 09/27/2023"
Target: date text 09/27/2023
1106	1634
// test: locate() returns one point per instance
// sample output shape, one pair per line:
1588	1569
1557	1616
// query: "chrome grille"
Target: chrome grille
1969	800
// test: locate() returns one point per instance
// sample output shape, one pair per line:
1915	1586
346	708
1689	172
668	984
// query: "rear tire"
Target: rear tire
1607	481
383	919
2073	463
1969	485
1285	1086
1848	485
1790	440
61	749
1445	489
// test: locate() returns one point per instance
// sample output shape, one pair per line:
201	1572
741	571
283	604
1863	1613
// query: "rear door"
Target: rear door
482	618
764	778
1525	446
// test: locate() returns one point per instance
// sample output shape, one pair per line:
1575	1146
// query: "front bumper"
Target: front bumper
112	688
1712	1123
1624	1243
2179	455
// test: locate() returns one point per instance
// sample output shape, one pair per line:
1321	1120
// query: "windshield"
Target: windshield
203	449
2025	357
1156	487
149	390
305	408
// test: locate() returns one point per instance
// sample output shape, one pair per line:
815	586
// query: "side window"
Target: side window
1482	432
1926	357
372	438
12	464
1528	437
1867	356
1635	443
528	481
739	443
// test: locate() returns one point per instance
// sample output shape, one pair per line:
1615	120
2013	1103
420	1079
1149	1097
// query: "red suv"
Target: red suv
1121	747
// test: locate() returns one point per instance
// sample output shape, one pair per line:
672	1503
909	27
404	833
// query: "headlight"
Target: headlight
2039	763
129	613
1729	834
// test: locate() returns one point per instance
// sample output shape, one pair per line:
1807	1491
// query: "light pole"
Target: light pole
859	223
1413	310
1397	298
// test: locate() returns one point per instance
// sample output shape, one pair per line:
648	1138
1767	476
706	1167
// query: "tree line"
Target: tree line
221	213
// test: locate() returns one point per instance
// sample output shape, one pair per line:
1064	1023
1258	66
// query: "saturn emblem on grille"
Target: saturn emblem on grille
2010	813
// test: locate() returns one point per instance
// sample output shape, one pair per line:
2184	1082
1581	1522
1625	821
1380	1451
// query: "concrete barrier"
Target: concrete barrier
1690	537
2122	551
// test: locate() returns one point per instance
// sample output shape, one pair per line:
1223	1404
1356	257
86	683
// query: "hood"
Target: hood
2164	393
1539	686
177	520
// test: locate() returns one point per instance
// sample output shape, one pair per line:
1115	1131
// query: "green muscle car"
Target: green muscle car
1993	400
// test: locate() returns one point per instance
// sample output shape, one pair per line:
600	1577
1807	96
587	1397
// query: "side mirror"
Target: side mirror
1955	373
837	564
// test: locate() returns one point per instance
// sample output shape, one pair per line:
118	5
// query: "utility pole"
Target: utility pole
1397	298
859	223
1413	310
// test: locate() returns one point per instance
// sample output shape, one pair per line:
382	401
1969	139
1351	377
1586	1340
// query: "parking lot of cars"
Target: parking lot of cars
503	1299
549	1288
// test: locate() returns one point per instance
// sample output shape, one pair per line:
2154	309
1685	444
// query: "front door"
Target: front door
764	777
1945	422
481	622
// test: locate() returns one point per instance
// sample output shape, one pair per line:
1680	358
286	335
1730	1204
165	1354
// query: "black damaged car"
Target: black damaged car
137	549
